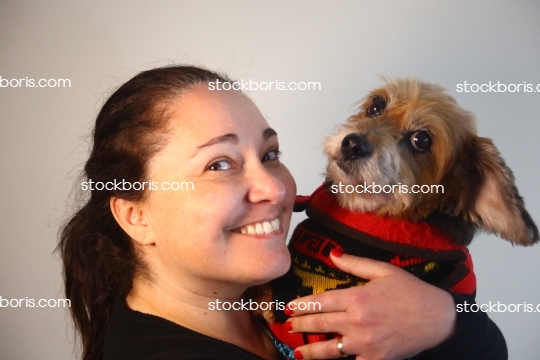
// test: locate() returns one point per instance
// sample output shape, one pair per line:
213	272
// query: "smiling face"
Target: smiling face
230	231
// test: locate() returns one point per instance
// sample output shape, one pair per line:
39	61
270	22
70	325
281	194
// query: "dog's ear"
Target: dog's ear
496	206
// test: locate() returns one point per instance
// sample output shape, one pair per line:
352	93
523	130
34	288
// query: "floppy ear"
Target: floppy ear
497	206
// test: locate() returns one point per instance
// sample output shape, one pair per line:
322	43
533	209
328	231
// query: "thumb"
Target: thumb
362	267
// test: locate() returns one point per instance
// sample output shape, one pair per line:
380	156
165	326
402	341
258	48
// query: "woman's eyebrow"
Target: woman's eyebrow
268	133
232	139
227	138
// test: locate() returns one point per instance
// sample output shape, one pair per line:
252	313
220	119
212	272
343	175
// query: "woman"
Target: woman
146	264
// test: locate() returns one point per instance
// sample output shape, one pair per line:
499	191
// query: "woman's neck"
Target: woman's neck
200	312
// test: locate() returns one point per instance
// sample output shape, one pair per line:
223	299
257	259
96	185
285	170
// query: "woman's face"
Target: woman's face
231	228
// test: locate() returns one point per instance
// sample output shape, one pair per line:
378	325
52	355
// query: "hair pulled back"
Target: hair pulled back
99	259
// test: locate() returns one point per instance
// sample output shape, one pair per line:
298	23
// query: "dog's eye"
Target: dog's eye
376	107
421	141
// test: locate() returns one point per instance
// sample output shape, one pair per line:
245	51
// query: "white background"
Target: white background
343	45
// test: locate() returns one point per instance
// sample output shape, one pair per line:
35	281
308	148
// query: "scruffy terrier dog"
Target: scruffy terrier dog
412	133
378	200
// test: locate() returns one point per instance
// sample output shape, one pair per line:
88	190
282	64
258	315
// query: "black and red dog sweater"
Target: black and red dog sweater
416	247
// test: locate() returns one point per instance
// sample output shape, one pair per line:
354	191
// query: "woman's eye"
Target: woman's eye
220	165
271	155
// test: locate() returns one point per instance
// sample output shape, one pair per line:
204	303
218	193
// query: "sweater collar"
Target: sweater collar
399	231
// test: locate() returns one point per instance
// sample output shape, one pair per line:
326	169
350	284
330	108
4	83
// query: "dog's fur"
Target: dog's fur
412	133
479	189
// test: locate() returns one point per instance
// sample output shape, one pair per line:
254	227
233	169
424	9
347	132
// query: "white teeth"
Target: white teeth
259	229
265	227
275	224
251	230
268	228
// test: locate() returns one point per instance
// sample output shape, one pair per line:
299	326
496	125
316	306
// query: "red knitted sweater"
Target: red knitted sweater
414	246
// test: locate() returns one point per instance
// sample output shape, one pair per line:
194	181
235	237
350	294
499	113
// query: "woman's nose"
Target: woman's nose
265	186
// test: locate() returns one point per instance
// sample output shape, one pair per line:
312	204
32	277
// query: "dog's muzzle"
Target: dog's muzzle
355	146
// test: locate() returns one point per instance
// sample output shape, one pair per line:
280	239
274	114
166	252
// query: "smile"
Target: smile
265	227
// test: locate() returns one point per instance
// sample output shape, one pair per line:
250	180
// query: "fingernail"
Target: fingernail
298	355
336	252
287	326
288	311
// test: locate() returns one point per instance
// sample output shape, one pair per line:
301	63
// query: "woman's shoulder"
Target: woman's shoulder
134	335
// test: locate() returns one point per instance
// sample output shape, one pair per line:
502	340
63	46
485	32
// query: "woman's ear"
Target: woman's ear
131	216
497	206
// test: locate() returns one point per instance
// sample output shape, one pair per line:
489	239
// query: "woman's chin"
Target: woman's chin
271	268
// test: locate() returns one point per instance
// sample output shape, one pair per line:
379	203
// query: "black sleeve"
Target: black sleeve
477	337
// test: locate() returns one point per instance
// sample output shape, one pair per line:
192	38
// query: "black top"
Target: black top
477	338
133	335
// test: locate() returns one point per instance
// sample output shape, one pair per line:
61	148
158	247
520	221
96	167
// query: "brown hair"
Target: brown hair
98	256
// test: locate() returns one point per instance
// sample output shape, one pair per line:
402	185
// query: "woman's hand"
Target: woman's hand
394	316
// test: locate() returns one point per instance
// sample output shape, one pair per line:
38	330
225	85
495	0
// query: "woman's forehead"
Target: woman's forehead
201	111
201	115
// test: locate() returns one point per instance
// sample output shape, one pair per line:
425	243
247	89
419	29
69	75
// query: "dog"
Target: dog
438	183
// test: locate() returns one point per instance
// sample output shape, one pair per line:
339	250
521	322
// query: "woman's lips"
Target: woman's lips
264	227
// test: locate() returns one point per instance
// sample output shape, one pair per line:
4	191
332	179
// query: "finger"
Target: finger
323	350
362	267
319	323
330	301
336	300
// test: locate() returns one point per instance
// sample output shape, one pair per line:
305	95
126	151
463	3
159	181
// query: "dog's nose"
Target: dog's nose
355	146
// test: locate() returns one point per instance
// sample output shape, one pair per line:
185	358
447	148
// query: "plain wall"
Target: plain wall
344	45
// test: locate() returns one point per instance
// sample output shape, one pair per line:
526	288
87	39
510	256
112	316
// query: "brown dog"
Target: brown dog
412	133
408	182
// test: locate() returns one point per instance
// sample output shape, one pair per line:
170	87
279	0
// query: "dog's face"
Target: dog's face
410	134
405	133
